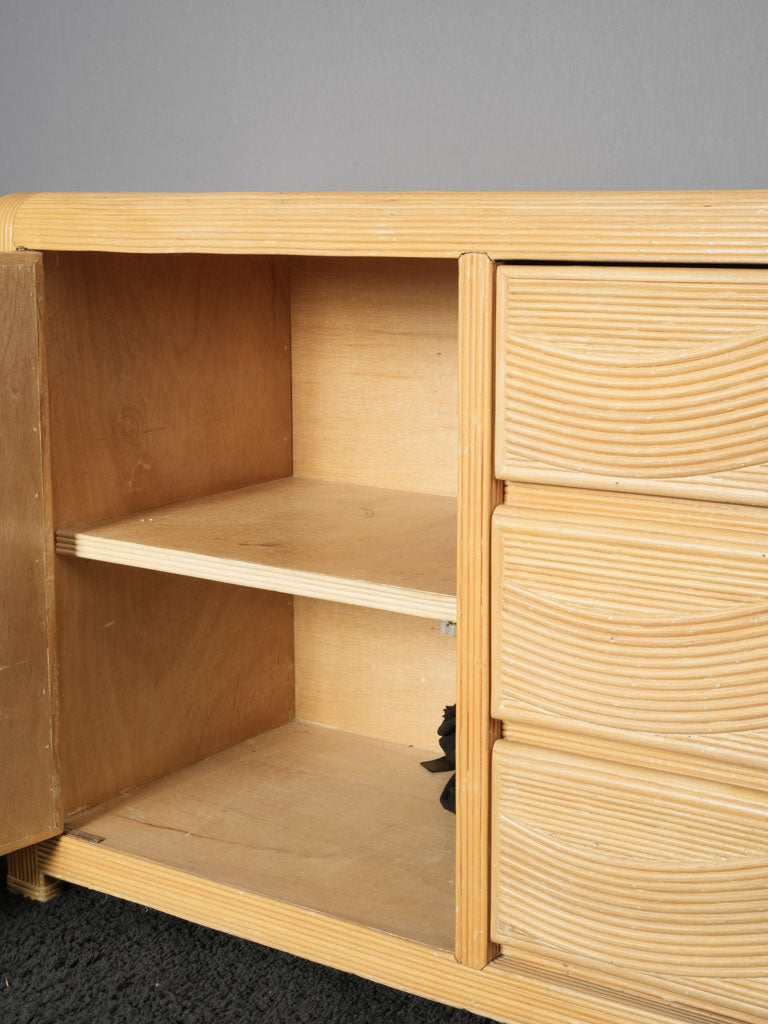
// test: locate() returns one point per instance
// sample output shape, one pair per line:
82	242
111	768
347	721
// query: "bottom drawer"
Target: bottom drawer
632	868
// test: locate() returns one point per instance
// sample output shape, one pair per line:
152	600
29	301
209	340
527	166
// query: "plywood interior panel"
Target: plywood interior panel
374	673
344	825
169	378
160	671
375	372
370	546
28	769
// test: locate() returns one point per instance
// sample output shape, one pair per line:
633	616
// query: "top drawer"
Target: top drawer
652	380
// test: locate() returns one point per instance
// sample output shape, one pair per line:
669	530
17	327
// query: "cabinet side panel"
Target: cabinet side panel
28	784
170	379
160	671
479	493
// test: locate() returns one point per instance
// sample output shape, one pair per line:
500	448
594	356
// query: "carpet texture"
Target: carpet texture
85	958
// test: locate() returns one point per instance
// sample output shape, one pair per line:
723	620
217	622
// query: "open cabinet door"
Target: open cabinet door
28	782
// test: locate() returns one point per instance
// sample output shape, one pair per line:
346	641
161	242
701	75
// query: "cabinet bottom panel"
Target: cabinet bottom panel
340	824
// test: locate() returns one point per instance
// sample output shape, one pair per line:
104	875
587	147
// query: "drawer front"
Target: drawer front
653	380
635	869
641	618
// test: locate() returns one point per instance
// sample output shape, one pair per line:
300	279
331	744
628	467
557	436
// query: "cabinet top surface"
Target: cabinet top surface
728	227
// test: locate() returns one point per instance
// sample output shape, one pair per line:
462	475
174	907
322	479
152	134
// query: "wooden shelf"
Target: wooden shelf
366	546
315	817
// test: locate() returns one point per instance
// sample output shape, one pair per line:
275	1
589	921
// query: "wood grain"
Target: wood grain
629	747
374	372
633	615
9	204
629	866
635	379
315	817
701	1000
499	992
678	227
169	379
359	545
478	494
372	673
159	671
27	879
28	764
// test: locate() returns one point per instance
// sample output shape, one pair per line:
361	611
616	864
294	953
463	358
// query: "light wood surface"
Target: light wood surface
27	879
28	766
161	671
634	614
631	870
630	747
679	227
372	673
498	991
635	379
358	545
374	372
9	204
478	494
701	1000
169	379
341	824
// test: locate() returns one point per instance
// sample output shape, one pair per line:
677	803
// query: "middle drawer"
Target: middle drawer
628	614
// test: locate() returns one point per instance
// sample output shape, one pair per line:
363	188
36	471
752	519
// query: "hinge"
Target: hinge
87	837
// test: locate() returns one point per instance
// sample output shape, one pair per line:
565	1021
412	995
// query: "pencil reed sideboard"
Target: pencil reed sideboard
262	452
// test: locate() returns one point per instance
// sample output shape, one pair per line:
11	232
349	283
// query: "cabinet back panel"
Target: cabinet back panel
371	672
169	378
375	392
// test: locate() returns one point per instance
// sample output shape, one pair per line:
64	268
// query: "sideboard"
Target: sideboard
284	475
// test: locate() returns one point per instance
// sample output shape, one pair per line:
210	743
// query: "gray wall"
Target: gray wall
383	94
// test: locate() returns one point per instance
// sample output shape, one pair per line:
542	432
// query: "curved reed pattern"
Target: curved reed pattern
702	412
634	375
630	866
9	205
666	674
607	616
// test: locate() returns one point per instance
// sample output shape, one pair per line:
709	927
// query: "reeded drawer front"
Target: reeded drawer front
639	617
638	869
653	380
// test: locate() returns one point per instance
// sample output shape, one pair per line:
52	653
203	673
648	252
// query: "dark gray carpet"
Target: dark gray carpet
85	958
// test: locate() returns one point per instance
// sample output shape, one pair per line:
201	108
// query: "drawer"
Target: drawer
637	617
635	868
653	380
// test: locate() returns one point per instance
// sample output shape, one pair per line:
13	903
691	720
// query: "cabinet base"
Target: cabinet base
26	878
498	991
